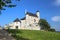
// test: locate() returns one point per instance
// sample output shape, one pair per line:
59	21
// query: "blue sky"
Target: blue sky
49	10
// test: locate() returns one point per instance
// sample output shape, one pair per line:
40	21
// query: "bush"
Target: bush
52	30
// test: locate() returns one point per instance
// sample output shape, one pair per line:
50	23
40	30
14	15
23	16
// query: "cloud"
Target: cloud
57	2
56	18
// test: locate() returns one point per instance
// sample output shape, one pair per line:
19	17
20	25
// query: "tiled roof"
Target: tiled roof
31	14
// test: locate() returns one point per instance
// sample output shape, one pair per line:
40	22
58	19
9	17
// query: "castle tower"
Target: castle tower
25	11
38	14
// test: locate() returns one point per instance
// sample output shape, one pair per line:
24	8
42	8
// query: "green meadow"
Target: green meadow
34	35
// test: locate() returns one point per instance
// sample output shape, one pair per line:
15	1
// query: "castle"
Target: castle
30	22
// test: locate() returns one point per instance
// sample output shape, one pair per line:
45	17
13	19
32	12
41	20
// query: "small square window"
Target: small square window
34	20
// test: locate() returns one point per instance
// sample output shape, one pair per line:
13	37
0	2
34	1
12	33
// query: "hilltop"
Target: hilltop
34	35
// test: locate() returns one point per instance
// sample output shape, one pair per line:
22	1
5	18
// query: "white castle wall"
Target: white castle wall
30	23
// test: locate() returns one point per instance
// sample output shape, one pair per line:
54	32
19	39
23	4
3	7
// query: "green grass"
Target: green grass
34	35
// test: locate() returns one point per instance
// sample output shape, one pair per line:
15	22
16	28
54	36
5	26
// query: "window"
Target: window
34	20
36	25
30	25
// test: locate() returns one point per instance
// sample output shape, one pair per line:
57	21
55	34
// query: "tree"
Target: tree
44	24
6	3
52	30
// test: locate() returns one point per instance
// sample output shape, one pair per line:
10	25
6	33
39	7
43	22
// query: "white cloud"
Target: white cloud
57	2
56	18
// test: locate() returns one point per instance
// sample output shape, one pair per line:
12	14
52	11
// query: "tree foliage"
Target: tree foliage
44	24
6	3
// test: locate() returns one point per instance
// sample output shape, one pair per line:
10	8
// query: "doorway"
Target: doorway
16	27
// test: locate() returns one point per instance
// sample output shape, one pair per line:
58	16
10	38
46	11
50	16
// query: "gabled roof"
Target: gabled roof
31	14
16	20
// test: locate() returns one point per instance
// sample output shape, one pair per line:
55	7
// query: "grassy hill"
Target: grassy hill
34	35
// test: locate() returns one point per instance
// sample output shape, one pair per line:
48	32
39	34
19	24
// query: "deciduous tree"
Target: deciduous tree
44	24
7	3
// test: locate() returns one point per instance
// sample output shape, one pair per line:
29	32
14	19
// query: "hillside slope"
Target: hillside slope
34	35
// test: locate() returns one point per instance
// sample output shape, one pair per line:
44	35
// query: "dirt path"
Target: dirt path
4	35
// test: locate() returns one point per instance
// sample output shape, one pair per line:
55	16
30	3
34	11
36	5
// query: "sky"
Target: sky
49	10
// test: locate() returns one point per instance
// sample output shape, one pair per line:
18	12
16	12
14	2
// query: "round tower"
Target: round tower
38	14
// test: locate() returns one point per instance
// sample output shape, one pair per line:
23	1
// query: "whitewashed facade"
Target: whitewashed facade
30	22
